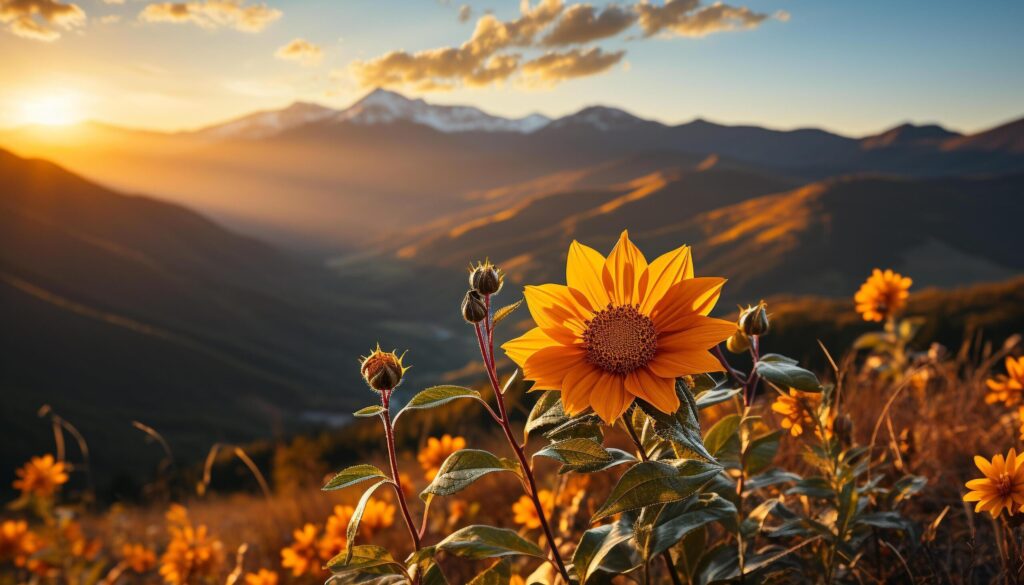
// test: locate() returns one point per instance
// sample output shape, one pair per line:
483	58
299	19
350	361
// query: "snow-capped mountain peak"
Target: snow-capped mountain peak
385	107
270	122
600	117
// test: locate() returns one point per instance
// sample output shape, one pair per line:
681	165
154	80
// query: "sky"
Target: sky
850	67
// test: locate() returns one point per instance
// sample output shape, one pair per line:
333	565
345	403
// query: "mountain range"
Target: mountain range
230	301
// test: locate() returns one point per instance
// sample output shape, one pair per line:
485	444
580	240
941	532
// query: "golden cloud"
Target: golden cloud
581	23
40	20
691	19
213	14
555	67
300	50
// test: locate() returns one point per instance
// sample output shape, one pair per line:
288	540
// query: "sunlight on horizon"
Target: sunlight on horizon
62	109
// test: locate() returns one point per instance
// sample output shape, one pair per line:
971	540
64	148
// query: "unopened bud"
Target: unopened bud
382	370
473	308
754	320
485	278
737	342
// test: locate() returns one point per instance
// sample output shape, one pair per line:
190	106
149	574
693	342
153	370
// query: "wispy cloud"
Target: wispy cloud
499	50
40	20
213	14
302	51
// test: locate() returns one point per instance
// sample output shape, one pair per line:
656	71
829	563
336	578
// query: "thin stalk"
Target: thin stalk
531	483
396	477
755	353
736	374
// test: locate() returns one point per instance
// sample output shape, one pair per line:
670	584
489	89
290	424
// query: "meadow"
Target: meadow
632	437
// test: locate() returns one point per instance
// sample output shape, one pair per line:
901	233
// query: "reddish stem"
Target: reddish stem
396	477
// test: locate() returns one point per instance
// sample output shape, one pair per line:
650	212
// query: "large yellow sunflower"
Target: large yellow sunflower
620	329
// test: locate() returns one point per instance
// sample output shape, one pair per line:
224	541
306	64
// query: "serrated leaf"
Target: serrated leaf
438	396
547	413
576	452
505	311
586	426
785	373
619	457
681	428
595	545
369	411
353	475
488	542
462	468
362	557
655	482
357	516
679	519
497	574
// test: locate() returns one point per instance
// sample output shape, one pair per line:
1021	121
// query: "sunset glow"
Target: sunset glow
50	110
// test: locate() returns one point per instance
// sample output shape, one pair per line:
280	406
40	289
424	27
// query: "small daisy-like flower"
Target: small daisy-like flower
882	295
335	537
262	577
378	514
620	329
301	555
436	451
526	513
1009	388
1001	488
795	409
17	542
191	556
41	476
138	557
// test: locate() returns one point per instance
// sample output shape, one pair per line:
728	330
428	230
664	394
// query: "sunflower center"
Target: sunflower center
1003	484
620	339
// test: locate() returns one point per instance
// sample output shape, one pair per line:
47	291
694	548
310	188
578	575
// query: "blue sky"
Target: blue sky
851	67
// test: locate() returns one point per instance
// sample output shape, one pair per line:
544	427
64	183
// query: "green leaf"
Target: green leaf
715	396
656	482
433	576
462	468
595	545
353	475
487	542
761	452
587	426
357	517
679	519
681	428
505	311
369	411
438	396
498	574
785	373
547	413
361	558
576	452
769	478
723	439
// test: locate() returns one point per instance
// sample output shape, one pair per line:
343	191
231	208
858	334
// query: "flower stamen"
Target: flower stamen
620	339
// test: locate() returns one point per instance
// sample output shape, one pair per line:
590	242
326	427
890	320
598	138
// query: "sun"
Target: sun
50	110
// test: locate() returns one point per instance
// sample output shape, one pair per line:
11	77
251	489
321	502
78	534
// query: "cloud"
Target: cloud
465	13
301	50
213	14
691	19
40	20
581	23
554	67
495	51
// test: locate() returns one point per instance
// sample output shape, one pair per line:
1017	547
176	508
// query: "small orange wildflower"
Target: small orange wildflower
333	542
262	577
191	555
17	542
1002	487
526	513
138	557
1009	388
796	409
41	476
377	514
301	555
882	295
436	451
620	329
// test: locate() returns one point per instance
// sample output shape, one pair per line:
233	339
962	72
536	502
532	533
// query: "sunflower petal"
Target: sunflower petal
665	272
583	269
689	297
625	275
577	387
522	347
701	333
682	363
655	390
547	367
609	397
555	310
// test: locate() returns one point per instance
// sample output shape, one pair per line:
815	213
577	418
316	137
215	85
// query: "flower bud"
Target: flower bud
737	342
485	278
382	370
754	320
473	308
